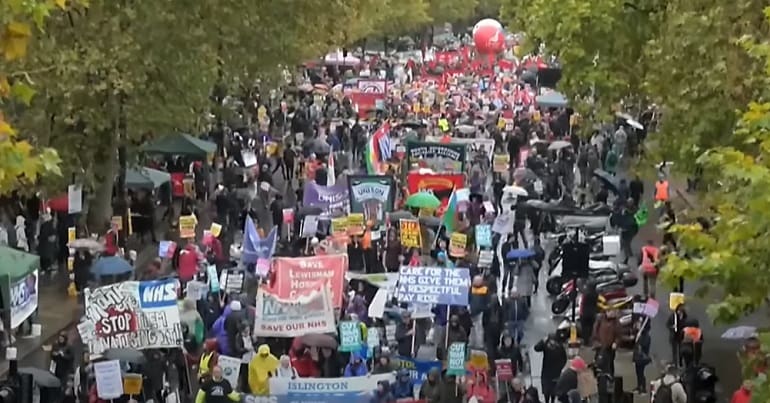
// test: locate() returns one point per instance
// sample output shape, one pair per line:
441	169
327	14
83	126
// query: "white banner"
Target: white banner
134	314
373	86
473	145
313	313
24	298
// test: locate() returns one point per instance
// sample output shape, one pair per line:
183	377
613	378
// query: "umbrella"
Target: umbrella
524	174
433	222
537	203
319	340
42	378
551	100
111	266
466	129
309	210
740	333
607	179
423	200
515	191
413	124
87	243
319	146
401	215
630	120
127	355
519	254
559	144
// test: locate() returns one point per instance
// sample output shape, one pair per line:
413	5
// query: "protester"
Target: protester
262	367
216	389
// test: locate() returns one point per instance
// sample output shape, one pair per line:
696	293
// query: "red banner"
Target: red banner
366	101
177	184
440	184
299	276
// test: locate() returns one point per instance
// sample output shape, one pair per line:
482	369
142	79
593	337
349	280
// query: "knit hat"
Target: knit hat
235	306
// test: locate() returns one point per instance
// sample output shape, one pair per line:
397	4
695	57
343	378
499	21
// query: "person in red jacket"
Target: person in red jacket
301	360
743	394
110	241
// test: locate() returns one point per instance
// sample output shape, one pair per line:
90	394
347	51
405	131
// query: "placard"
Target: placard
373	337
486	258
109	380
390	333
117	222
503	223
350	336
649	308
166	249
262	267
231	369
71	234
278	317
288	215
675	299
233	281
215	229
134	315
410	233
418	369
457	244
433	285
456	361
504	370
356	225
213	276
483	234
74	199
339	225
187	226
298	276
23	298
501	163
309	226
132	384
374	196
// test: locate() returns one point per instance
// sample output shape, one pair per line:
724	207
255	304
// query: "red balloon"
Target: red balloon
489	40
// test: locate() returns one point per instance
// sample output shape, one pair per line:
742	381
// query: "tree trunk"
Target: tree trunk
105	166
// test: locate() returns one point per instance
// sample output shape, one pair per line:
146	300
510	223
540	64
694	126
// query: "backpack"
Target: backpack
663	393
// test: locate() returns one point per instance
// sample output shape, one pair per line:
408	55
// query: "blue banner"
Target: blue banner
419	369
483	235
358	389
433	285
256	247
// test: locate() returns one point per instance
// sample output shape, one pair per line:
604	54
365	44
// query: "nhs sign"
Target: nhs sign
158	294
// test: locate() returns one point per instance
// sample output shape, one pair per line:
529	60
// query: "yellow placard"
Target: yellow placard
187	226
675	299
426	212
410	233
117	222
426	109
416	108
189	187
457	243
72	234
501	123
71	263
340	225
501	162
132	384
215	229
356	225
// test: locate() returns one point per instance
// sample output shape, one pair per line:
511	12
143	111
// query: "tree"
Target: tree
21	164
452	11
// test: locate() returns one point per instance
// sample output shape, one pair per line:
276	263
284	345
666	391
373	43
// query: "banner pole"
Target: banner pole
414	339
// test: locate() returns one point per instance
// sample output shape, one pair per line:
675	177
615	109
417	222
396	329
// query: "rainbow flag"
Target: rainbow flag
449	219
374	154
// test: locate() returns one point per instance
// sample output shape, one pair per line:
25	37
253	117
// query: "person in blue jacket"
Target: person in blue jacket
356	366
404	387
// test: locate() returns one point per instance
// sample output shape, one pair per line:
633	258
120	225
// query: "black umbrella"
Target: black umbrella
401	215
413	124
309	210
433	222
609	180
127	355
42	378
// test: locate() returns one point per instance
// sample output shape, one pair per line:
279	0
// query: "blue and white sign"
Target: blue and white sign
24	298
158	294
483	235
357	389
433	285
418	369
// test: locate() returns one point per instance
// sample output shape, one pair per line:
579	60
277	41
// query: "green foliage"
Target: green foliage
452	10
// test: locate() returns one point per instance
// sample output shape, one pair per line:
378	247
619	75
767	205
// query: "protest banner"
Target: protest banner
501	163
134	315
456	361
357	389
503	224
23	298
215	229
356	225
410	233
339	225
277	317
418	369
457	244
187	226
109	381
649	308
299	276
433	285
372	337
483	234
350	336
330	199
166	249
373	196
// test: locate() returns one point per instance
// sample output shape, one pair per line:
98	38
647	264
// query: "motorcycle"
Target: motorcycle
608	286
598	265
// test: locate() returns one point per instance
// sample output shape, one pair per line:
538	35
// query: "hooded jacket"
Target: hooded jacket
430	391
384	396
356	366
262	366
219	331
301	360
404	387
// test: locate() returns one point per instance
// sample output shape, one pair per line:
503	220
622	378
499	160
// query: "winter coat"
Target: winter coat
515	310
554	360
430	391
450	393
478	300
525	281
219	331
385	396
403	388
568	381
456	335
606	331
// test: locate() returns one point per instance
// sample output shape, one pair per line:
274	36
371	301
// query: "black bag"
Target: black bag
663	393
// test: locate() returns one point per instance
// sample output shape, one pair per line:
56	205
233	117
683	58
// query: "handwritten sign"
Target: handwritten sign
501	162
410	233
457	244
340	225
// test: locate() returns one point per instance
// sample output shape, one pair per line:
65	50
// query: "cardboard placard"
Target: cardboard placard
501	162
356	225
187	226
339	225
132	384
457	244
410	233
